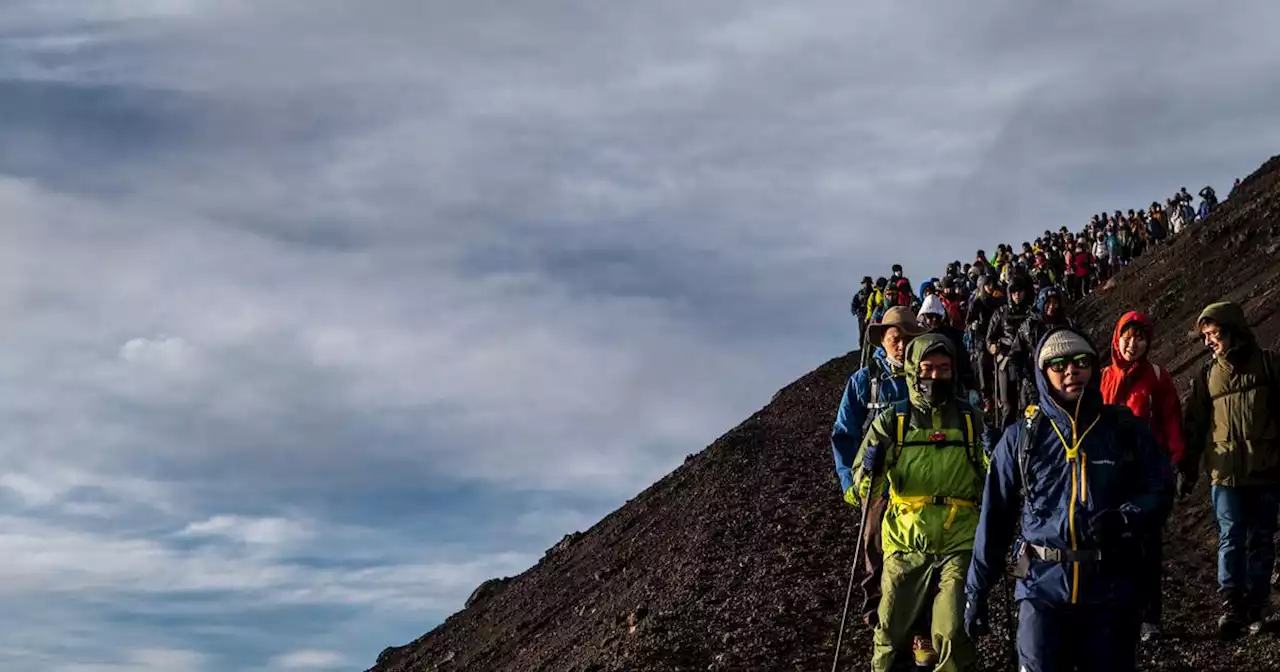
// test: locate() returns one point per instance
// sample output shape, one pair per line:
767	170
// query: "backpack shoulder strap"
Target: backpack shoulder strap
902	425
973	450
875	375
1032	421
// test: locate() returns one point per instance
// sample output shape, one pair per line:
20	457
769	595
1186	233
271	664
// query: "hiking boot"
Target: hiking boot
923	654
1150	631
1257	620
1232	620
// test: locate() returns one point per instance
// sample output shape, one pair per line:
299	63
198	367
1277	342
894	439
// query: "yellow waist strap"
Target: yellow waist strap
916	503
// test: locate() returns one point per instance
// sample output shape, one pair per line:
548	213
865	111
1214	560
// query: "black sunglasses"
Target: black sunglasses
1059	364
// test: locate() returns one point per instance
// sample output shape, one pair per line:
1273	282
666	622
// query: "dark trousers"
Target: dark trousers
1246	544
1150	574
1007	393
1076	638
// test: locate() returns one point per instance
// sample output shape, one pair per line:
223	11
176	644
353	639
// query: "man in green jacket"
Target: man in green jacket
1233	427
927	456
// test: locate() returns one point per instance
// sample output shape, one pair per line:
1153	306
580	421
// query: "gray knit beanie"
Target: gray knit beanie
1063	343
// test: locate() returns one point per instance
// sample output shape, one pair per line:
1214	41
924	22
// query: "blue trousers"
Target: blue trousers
1077	638
1246	548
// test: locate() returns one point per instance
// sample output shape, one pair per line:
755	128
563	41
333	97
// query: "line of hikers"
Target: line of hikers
1077	263
1011	443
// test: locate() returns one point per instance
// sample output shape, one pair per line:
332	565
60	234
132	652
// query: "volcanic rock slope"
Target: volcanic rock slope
738	560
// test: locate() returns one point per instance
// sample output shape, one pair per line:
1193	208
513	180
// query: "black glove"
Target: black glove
977	622
872	459
1186	482
1108	526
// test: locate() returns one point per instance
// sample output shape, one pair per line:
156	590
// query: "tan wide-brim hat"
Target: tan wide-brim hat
898	316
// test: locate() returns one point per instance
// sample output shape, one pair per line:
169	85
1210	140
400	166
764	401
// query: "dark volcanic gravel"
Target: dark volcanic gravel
738	559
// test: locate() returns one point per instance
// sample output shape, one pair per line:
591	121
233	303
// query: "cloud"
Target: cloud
145	660
317	308
259	531
309	659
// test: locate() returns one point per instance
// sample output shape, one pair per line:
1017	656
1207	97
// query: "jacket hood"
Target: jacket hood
917	350
1127	319
932	305
1229	316
882	358
926	283
1043	297
1090	402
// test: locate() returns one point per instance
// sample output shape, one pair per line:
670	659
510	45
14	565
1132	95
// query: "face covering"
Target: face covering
936	390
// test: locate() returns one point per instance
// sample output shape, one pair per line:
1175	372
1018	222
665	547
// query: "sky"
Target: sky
317	314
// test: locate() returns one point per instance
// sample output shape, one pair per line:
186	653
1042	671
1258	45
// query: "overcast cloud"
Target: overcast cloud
317	313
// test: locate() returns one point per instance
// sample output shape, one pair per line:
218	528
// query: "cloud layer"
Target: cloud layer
318	313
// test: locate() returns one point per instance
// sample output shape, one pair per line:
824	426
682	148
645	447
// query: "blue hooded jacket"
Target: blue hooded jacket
846	435
1119	466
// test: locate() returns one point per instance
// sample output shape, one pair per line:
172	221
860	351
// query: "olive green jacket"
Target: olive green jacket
1233	414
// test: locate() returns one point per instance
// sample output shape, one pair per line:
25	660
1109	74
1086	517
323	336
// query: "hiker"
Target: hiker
1183	196
933	317
1150	393
1101	257
1210	197
1124	238
926	458
1042	273
952	296
1233	421
1177	218
858	306
1048	313
903	295
1082	259
890	299
871	390
899	279
987	299
1079	482
1000	339
874	304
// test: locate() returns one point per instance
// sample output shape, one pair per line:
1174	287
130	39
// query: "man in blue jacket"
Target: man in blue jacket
1085	480
871	390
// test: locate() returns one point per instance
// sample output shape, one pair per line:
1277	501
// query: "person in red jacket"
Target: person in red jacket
1083	262
1149	391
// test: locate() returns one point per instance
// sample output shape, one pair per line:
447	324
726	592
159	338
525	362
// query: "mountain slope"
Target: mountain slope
738	559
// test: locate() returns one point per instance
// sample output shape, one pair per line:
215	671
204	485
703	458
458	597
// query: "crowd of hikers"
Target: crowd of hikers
985	436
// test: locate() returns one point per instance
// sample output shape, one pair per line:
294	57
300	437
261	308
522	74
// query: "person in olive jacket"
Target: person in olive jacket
1233	427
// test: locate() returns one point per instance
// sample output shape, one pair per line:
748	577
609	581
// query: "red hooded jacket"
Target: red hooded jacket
1146	389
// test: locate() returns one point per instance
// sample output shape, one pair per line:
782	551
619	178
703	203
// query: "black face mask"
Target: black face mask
936	390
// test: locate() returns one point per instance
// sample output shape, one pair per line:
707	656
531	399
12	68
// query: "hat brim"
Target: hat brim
875	332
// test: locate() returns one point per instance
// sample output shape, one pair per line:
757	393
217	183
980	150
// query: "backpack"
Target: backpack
973	449
875	375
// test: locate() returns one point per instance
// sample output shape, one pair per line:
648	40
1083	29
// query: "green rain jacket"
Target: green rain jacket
935	470
1233	414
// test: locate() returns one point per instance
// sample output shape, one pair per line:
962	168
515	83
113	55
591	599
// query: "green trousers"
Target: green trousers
911	584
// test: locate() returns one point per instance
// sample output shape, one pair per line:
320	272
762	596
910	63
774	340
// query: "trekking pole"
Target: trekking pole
853	573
